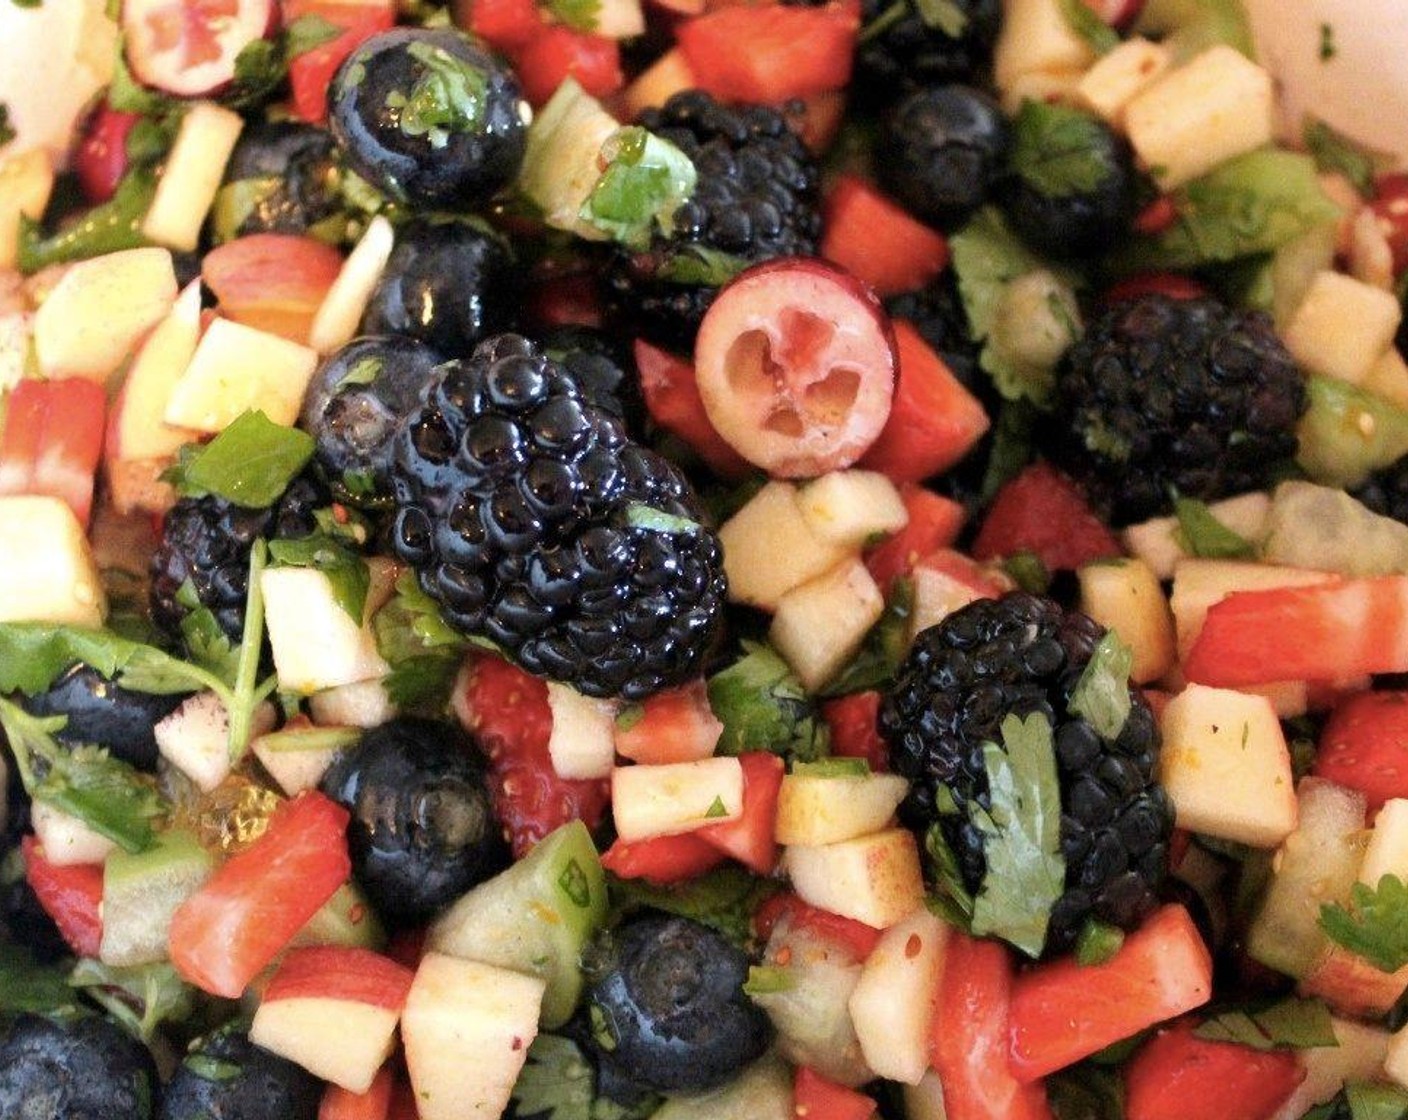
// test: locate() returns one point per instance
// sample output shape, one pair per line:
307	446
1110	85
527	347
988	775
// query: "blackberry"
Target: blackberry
534	521
1164	395
901	50
937	313
204	551
1022	654
756	199
1386	491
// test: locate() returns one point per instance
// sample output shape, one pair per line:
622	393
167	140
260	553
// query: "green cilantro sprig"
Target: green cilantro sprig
1374	925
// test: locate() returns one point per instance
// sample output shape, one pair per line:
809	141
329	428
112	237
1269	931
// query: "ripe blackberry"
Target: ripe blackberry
1165	395
1386	491
534	521
205	542
756	198
901	50
938	315
1023	654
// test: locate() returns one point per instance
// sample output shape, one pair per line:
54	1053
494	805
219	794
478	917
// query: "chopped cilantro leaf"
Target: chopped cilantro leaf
724	900
581	15
884	647
645	181
1375	925
1290	1024
1201	534
1334	151
1054	148
7	130
558	1083
250	463
140	997
308	32
346	571
943	15
1097	942
447	97
27	985
1101	695
763	707
1099	36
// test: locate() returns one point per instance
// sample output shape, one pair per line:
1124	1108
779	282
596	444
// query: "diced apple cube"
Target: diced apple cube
825	809
1125	596
1358	1057
619	19
235	369
1216	106
1157	541
1047	86
467	1028
342	308
66	840
191	175
294	770
582	743
26	181
1226	767
92	318
944	581
1120	76
195	738
1342	327
848	508
1396	1057
316	643
1387	851
675	797
49	574
362	704
819	626
893	1003
874	879
1037	36
769	548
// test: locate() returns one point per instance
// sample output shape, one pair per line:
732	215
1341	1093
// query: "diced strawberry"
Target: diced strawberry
557	53
773	52
855	731
968	1041
1336	629
1172	284
375	1104
672	397
816	1098
1178	1076
101	159
663	860
855	937
1390	209
749	839
1063	1011
52	440
934	420
1364	746
250	909
1044	512
569	299
71	896
507	709
934	522
1158	216
310	73
817	119
876	240
506	25
675	725
360	975
273	282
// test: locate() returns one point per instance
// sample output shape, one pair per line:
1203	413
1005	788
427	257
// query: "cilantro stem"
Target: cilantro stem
246	692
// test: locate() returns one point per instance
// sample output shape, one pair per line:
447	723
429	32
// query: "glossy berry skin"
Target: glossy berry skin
423	829
446	284
105	714
901	51
227	1077
600	368
428	117
941	152
295	167
667	1006
80	1068
356	404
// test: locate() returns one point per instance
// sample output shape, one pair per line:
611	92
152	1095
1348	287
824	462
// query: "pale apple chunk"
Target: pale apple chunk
849	508
195	738
1226	767
1216	106
1387	850
191	175
1342	327
1037	36
236	369
1051	87
675	797
1396	1057
1125	596
1358	1057
346	301
66	840
769	548
1157	541
874	879
1121	75
892	1005
293	770
818	809
99	309
316	643
49	573
819	626
26	181
582	743
467	1028
340	1039
363	704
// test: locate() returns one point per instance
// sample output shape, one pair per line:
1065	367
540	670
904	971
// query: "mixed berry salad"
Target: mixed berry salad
703	560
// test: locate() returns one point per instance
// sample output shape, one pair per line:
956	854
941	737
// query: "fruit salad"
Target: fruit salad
699	560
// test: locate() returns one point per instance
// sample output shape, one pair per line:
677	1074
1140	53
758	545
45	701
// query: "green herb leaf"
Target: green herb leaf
250	463
309	32
832	768
943	15
558	1083
640	516
1029	573
209	1068
1289	1024
33	654
109	228
1097	942
27	985
208	645
363	372
1375	925
1026	873
645	181
346	570
1085	1092
310	739
698	264
724	900
1101	696
246	693
447	97
1334	151
1201	534
423	650
7	130
141	998
1099	36
1012	432
885	645
954	902
581	15
1376	1100
1054	147
260	69
127	95
716	809
767	980
763	707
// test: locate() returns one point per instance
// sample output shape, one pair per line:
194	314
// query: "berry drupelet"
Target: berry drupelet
756	199
1165	396
535	522
1023	654
904	46
1386	491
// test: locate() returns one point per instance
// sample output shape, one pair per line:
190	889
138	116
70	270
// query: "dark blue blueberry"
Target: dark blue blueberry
103	713
289	179
226	1077
74	1068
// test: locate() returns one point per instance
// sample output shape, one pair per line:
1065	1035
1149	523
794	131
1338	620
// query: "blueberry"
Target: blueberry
288	175
78	1067
423	830
429	117
354	407
667	1007
105	714
941	152
226	1077
447	284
